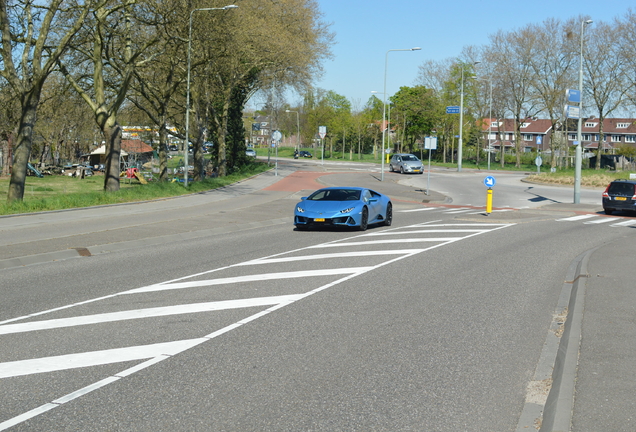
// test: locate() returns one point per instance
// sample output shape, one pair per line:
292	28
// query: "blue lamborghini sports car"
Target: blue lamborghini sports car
344	207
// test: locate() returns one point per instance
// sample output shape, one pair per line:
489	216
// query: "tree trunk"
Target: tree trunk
163	153
112	136
600	141
22	150
518	146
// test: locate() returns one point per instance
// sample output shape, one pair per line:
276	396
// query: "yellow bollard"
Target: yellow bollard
489	201
387	158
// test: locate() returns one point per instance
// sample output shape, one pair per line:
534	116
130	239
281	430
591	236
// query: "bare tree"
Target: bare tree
609	80
157	88
36	33
512	53
553	60
111	44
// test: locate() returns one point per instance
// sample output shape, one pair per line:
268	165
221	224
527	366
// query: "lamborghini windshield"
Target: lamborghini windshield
335	195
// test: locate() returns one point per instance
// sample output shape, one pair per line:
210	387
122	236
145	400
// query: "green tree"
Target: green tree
417	107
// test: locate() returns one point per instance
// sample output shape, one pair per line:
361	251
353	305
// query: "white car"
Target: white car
406	163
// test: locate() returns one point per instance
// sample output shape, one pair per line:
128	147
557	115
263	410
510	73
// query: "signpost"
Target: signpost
430	143
322	133
538	161
490	182
276	136
453	109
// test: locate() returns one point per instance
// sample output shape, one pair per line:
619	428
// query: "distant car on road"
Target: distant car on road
620	195
406	163
305	154
343	207
250	152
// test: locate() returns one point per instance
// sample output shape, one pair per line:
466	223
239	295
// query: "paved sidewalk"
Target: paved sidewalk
606	380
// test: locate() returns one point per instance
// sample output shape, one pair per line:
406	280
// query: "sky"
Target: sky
442	28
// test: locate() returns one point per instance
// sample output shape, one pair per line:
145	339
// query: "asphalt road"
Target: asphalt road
211	313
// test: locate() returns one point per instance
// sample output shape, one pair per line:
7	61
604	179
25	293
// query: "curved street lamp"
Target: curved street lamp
186	145
384	125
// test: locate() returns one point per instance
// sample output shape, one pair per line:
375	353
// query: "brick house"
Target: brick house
537	133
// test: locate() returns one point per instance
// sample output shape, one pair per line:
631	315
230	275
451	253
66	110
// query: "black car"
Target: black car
620	195
305	154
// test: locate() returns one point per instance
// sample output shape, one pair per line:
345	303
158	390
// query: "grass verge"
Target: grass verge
62	192
589	178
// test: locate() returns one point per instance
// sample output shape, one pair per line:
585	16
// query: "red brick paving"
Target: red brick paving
297	181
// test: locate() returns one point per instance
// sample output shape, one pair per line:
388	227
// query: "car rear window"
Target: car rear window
620	188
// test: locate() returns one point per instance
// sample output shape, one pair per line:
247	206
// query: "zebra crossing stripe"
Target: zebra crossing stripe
418	210
576	218
601	220
625	223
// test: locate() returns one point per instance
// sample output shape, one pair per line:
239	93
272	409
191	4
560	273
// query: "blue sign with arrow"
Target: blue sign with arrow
490	181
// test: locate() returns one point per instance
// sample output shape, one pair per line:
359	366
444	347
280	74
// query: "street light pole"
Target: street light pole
298	128
578	152
384	125
489	117
461	120
186	145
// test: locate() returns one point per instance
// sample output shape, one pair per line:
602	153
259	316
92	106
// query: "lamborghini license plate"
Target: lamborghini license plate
319	220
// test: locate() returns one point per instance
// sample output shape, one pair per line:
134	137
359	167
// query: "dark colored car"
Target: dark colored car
620	195
305	154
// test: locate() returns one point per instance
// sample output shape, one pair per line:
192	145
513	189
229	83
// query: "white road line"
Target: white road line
331	255
146	313
419	210
95	358
249	278
400	240
601	220
575	218
489	225
628	222
458	211
426	232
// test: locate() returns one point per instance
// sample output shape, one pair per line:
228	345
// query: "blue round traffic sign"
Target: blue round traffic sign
490	181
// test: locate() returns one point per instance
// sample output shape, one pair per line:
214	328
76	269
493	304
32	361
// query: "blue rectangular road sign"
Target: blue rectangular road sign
574	96
452	109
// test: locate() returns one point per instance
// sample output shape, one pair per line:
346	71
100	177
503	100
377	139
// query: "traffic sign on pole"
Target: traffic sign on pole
490	181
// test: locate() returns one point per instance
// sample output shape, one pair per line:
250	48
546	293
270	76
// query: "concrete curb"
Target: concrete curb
550	395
